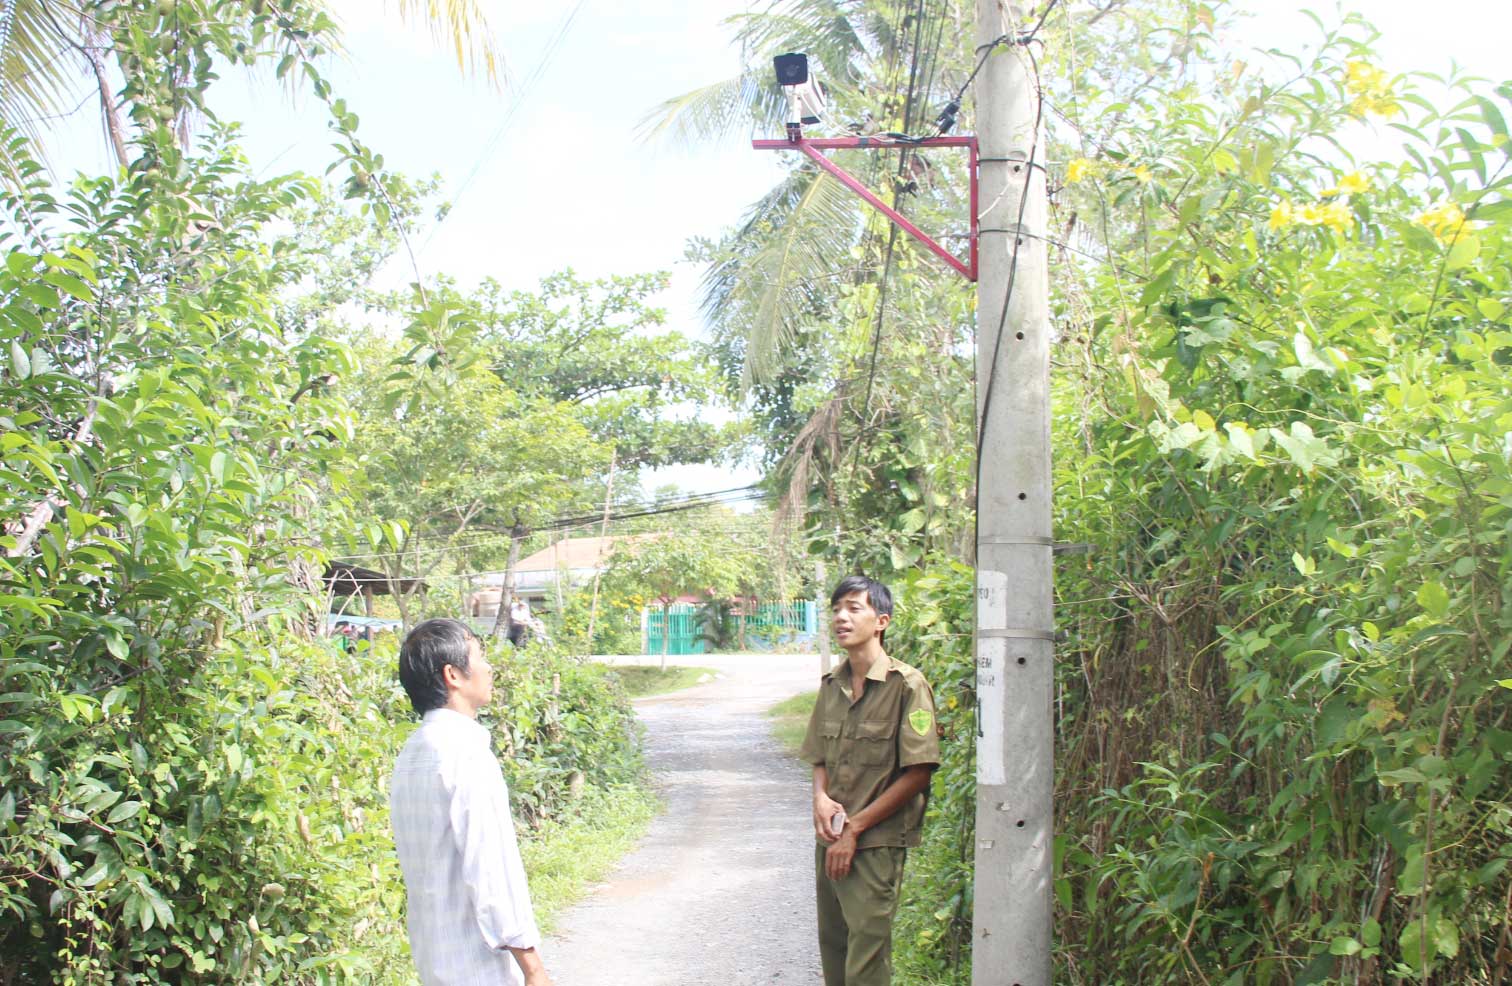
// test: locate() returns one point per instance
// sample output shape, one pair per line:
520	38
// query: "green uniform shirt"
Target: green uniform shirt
864	745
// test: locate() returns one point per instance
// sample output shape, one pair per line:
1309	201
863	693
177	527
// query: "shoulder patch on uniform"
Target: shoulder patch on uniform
920	720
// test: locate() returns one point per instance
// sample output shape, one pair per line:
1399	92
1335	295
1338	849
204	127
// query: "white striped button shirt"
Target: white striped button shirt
468	899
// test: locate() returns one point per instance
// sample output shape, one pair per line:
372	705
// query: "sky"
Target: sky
549	173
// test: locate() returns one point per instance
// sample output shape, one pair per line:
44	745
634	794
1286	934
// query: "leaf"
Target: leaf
99	871
1492	115
1434	599
1446	937
1307	357
41	295
20	364
1411	943
72	285
1464	252
1305	449
1344	946
123	811
1239	439
1491	309
218	463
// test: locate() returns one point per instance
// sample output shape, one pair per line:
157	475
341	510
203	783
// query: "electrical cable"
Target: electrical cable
947	116
1039	115
525	90
502	536
718	498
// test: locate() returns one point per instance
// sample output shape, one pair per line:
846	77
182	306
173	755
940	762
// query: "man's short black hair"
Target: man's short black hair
423	658
877	594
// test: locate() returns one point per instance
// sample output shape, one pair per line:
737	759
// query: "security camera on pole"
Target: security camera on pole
805	97
1011	934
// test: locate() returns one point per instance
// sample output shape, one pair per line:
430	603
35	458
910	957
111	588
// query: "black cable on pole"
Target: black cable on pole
1039	114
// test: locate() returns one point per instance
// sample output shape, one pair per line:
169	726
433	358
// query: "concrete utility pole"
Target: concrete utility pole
1011	933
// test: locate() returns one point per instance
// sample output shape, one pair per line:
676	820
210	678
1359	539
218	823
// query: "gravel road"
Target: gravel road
720	890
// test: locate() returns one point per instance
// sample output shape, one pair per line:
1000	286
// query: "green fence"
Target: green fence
685	637
769	625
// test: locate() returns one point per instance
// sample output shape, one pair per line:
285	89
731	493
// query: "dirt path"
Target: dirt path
720	890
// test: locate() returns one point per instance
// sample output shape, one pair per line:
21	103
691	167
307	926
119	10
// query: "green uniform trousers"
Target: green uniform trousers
856	916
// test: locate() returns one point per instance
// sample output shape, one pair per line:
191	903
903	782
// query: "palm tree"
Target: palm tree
880	61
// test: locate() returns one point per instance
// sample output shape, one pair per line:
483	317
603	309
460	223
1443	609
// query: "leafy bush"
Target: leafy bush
1281	418
192	785
568	725
932	632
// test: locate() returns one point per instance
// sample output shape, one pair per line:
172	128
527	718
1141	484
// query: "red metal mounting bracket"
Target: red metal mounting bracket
813	148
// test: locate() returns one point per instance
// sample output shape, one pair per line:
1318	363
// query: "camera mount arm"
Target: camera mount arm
813	149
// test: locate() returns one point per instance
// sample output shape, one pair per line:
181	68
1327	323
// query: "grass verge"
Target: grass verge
648	679
562	859
790	719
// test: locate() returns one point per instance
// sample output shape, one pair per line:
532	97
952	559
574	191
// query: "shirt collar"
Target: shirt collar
453	721
877	672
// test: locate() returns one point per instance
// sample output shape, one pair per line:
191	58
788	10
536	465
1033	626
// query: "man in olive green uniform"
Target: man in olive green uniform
873	744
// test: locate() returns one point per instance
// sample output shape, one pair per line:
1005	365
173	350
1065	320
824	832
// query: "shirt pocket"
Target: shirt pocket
876	741
829	737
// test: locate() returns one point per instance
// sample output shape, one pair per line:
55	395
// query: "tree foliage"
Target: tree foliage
602	349
191	782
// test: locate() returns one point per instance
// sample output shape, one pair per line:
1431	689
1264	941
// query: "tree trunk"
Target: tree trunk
504	620
30	525
597	566
666	633
396	590
302	573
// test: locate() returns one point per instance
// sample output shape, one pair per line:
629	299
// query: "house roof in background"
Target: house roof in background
346	579
569	553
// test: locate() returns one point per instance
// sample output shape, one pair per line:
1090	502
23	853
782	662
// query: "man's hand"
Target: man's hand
538	979
824	809
837	858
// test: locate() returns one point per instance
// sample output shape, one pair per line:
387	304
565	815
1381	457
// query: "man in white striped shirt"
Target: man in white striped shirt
470	920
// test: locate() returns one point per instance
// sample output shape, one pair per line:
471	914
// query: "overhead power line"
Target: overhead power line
525	90
501	536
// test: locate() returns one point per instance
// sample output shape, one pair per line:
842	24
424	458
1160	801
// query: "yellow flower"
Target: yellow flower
1282	215
1077	170
1336	216
1144	175
1371	90
1353	183
1362	77
1444	221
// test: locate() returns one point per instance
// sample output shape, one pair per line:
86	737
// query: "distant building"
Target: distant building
570	561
